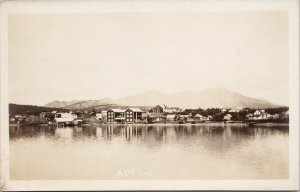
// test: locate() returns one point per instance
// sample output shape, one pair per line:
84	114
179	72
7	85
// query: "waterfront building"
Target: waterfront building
170	117
156	118
133	115
115	115
65	117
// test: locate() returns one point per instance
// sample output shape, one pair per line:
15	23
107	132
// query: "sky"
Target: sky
91	56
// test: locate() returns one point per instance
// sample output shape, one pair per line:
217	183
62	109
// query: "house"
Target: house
133	115
224	110
250	116
261	114
99	116
47	116
199	117
209	118
170	117
257	113
155	118
115	115
104	114
65	117
184	117
157	109
227	117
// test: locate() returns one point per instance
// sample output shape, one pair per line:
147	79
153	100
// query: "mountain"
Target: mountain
208	98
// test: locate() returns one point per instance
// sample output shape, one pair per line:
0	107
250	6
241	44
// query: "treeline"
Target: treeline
278	110
16	109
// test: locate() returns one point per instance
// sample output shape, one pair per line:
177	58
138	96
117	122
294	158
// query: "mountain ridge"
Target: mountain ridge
208	98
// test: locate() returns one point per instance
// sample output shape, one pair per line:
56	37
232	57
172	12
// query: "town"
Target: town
160	114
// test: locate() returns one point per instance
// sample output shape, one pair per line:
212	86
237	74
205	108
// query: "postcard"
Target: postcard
149	95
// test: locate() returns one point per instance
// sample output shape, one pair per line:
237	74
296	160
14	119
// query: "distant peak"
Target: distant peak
153	91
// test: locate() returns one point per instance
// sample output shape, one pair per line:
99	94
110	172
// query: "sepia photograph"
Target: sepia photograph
144	95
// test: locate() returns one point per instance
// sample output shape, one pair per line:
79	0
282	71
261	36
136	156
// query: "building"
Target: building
99	116
133	115
199	117
104	114
184	117
250	116
65	117
115	115
257	113
227	117
261	114
156	118
171	117
157	109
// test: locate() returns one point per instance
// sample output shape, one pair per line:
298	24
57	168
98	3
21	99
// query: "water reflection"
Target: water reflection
149	134
168	151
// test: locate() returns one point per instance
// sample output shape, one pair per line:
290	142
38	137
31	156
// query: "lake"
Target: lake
149	152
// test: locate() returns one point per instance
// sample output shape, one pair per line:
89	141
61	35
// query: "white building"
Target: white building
227	117
99	116
171	117
65	117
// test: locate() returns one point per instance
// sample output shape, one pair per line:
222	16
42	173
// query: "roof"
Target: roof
198	115
160	106
135	109
117	110
171	116
185	116
154	115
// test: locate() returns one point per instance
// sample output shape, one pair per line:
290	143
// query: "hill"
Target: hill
209	98
15	109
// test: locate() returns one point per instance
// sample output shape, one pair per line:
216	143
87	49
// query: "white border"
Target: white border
53	6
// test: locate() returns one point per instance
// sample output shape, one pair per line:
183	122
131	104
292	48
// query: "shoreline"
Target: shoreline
243	124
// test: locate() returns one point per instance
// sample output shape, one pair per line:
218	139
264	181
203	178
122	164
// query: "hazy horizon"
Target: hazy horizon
92	56
151	91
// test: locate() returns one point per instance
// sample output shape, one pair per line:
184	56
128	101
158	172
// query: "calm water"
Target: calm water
149	152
